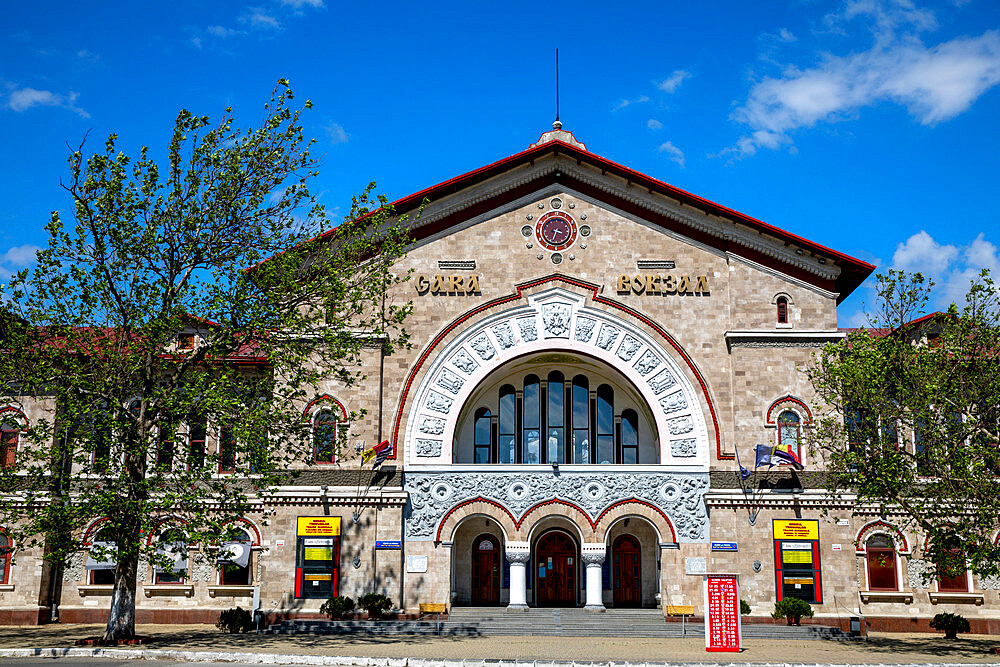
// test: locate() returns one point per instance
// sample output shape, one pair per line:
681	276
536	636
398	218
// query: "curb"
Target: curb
346	661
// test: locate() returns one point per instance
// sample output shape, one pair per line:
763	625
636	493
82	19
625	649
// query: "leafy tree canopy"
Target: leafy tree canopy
912	421
225	245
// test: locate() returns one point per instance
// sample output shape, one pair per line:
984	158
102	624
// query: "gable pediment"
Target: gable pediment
555	167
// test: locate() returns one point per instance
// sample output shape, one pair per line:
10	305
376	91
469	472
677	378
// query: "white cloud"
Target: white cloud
624	103
922	253
934	83
299	4
952	267
196	41
22	99
654	124
336	134
17	257
672	82
672	152
786	35
221	31
259	19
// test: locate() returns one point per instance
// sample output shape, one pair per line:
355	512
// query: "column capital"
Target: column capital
518	552
593	553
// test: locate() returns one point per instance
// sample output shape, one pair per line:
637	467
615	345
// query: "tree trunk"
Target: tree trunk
121	619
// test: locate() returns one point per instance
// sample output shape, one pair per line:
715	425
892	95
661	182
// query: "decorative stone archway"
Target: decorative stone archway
557	320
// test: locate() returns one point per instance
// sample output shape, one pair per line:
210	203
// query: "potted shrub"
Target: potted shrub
338	607
744	608
792	609
375	604
235	621
952	624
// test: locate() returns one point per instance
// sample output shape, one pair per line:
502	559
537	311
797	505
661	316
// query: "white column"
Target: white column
592	555
518	554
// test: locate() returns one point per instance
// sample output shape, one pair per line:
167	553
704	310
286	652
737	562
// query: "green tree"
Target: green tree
912	412
223	242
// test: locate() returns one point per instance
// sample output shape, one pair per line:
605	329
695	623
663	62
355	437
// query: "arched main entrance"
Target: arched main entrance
485	571
626	572
555	570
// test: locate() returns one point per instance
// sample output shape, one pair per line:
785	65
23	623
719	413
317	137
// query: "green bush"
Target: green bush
235	621
744	608
952	624
792	609
375	604
337	607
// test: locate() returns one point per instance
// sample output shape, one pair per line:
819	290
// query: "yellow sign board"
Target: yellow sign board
309	526
320	553
796	557
794	530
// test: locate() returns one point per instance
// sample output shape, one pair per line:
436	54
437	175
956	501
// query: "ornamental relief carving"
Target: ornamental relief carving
680	496
558	320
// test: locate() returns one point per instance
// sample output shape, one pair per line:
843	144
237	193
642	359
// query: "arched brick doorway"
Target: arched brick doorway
555	570
626	572
486	571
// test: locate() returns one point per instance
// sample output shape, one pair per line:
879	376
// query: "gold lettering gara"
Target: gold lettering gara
445	285
663	285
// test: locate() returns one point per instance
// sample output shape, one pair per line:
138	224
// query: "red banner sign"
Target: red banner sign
722	613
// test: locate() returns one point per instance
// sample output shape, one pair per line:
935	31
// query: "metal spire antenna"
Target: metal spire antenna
557	83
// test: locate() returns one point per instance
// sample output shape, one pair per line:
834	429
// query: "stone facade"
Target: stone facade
666	298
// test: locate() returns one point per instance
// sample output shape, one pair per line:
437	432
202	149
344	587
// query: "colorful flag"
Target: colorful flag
379	453
775	456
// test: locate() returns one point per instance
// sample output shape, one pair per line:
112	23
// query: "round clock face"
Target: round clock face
555	230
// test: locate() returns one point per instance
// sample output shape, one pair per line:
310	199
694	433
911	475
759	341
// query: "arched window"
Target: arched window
881	557
556	418
171	547
788	432
782	310
581	419
605	424
6	548
100	438
325	437
234	559
630	437
483	436
508	411
531	420
954	583
101	561
10	434
197	441
165	448
227	449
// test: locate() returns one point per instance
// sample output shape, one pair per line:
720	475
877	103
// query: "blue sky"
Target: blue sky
870	126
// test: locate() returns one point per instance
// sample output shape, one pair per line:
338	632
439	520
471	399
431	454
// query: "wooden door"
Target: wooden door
485	570
555	571
626	571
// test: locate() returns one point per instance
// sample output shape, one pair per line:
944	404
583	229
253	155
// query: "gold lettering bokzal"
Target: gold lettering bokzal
662	284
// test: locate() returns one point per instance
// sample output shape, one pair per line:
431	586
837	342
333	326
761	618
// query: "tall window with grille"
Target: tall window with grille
10	434
782	310
789	432
6	550
880	554
325	437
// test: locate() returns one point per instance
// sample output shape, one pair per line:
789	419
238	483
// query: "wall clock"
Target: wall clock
555	231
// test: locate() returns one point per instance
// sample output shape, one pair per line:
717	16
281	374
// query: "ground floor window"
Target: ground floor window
881	557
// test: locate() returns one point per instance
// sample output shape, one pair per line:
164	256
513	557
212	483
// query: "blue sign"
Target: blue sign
725	546
388	544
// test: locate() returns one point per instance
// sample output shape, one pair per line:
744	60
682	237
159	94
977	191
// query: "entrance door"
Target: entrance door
626	572
555	570
485	570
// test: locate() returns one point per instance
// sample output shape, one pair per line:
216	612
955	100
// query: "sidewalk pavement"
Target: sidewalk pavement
881	648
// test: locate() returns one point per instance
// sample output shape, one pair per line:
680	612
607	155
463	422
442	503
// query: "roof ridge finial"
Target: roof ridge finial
557	125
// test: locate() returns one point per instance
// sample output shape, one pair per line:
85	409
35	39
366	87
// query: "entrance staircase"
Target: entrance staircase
564	622
575	622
